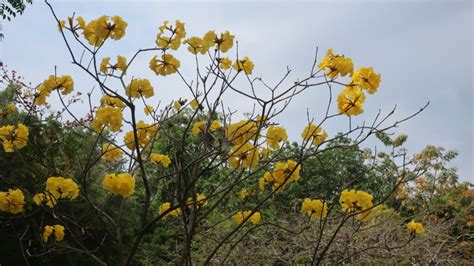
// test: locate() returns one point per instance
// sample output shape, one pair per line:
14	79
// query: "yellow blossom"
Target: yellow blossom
245	64
335	65
241	132
148	110
244	193
224	42
14	137
350	100
225	63
197	45
365	78
170	36
167	65
61	188
64	84
356	200
12	201
49	229
240	216
139	88
275	135
111	153
9	110
314	133
194	104
120	65
109	117
201	200
160	159
166	206
98	30
415	227
107	100
121	184
314	208
145	133
245	156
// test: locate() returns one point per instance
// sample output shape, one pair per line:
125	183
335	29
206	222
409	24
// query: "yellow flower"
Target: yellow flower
198	127
314	208
166	206
335	65
120	65
139	88
9	110
365	78
111	153
284	173
314	133
215	125
275	135
107	100
45	197
415	227
12	201
197	45
245	64
145	133
173	38
225	63
350	101
166	66
264	152
224	42
49	229
177	105
14	137
121	184
98	30
356	200
160	159
109	117
240	216
201	200
241	132
62	188
64	84
245	156
194	104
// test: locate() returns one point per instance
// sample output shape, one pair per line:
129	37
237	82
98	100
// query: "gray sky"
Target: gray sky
423	49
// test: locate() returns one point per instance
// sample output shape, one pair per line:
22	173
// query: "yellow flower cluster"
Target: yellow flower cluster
357	201
283	175
12	201
244	65
46	198
107	100
98	30
167	65
413	226
10	109
225	63
201	200
111	153
240	216
244	155
350	100
64	84
275	135
200	126
109	117
58	232
194	104
166	206
314	133
14	137
175	34
241	132
121	184
148	110
202	45
121	65
160	159
334	65
139	88
314	208
145	133
366	79
62	188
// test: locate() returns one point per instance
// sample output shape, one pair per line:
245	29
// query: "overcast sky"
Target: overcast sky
423	49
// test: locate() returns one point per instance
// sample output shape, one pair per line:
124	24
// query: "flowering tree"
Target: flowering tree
191	160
